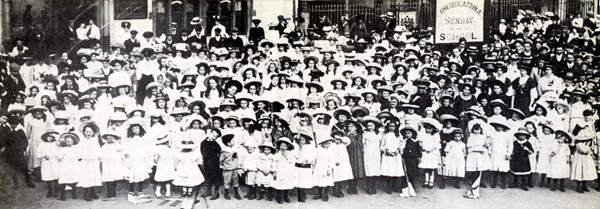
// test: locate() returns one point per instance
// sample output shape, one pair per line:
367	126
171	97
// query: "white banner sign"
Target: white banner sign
456	19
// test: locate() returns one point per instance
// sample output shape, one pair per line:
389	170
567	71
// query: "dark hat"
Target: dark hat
227	138
148	34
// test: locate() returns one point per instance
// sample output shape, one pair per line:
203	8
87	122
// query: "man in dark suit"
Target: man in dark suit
234	40
197	38
257	33
14	82
218	41
569	66
131	42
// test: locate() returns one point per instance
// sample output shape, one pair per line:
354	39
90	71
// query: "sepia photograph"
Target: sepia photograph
332	104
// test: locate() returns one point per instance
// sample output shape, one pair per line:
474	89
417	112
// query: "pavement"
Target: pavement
23	198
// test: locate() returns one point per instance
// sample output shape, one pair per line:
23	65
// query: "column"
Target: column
5	23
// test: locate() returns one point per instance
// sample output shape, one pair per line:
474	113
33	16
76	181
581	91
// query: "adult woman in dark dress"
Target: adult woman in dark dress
464	100
522	87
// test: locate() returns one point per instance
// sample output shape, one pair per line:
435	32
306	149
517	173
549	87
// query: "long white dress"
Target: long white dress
372	155
69	162
454	162
343	170
89	166
392	165
478	158
188	173
559	168
165	163
306	156
264	166
431	150
50	167
136	162
112	162
501	146
546	146
324	167
285	172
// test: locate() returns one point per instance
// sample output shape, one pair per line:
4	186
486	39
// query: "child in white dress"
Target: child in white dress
69	155
430	145
47	151
372	156
264	174
188	173
111	156
324	165
454	162
164	156
559	168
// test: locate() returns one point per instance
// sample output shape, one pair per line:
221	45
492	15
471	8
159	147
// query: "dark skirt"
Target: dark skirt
520	166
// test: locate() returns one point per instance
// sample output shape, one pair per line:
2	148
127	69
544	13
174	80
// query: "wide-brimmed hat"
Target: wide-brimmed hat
118	116
370	118
500	122
267	145
207	79
318	86
196	102
37	108
519	112
196	21
368	91
341	111
448	117
74	136
89	124
235	83
498	102
447	96
162	137
266	42
111	133
315	59
285	140
356	110
61	115
17	108
48	133
432	122
154	85
409	128
548	124
565	133
137	108
522	131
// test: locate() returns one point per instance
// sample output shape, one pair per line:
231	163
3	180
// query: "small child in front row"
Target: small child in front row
111	156
264	174
68	155
164	156
343	170
188	173
430	147
454	162
47	151
519	161
559	168
228	161
249	166
324	164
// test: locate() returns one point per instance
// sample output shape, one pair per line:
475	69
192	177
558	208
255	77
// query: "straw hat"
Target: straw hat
286	140
162	137
500	122
409	128
49	133
522	131
111	133
72	135
267	145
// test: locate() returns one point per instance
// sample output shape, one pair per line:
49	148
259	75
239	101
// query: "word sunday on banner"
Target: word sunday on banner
459	19
131	9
